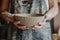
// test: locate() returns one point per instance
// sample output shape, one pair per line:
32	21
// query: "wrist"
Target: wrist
46	18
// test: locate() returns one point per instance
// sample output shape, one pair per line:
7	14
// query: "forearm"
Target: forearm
4	5
53	11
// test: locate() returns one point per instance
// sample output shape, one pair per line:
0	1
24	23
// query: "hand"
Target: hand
40	24
7	17
22	27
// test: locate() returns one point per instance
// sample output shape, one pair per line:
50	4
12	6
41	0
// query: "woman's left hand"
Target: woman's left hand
40	24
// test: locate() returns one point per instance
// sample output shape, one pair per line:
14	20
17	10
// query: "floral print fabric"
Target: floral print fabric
31	6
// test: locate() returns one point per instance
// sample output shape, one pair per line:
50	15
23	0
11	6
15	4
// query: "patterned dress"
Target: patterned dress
33	6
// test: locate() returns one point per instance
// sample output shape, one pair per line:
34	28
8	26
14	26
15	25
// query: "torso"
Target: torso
30	6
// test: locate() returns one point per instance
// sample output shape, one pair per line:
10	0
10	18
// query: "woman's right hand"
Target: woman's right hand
7	16
18	25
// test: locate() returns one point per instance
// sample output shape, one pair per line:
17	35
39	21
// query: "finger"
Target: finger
33	27
5	12
7	17
10	19
22	27
27	27
16	23
45	16
39	24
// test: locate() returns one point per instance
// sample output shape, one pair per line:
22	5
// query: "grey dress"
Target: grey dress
30	34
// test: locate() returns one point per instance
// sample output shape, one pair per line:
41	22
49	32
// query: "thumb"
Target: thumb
16	22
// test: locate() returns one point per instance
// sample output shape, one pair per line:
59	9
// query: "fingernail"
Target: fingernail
33	28
18	21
